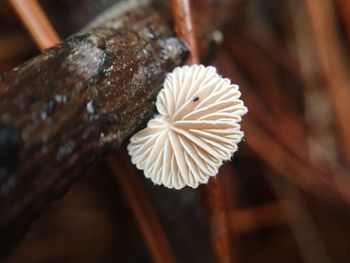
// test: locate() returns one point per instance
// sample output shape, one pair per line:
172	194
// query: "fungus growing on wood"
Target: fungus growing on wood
196	130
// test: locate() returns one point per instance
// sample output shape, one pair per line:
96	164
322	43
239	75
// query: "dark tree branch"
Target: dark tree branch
78	100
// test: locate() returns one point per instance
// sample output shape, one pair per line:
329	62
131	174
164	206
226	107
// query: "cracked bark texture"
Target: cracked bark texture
76	101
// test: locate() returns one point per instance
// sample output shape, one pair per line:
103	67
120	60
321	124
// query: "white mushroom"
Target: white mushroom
197	128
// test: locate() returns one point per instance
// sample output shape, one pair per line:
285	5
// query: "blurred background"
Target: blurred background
285	196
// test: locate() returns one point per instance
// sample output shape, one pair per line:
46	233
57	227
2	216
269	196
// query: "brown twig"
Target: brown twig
145	216
36	22
323	23
213	193
185	28
218	220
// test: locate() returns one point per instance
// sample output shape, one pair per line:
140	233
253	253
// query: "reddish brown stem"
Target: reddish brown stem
36	22
213	193
146	219
218	221
185	27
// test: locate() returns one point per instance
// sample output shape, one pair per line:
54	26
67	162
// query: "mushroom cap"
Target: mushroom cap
196	130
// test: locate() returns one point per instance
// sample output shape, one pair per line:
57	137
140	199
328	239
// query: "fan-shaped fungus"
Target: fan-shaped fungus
197	128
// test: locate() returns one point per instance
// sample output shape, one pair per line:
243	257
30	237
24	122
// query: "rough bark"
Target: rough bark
76	101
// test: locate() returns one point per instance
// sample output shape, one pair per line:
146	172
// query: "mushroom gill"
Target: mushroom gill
197	128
